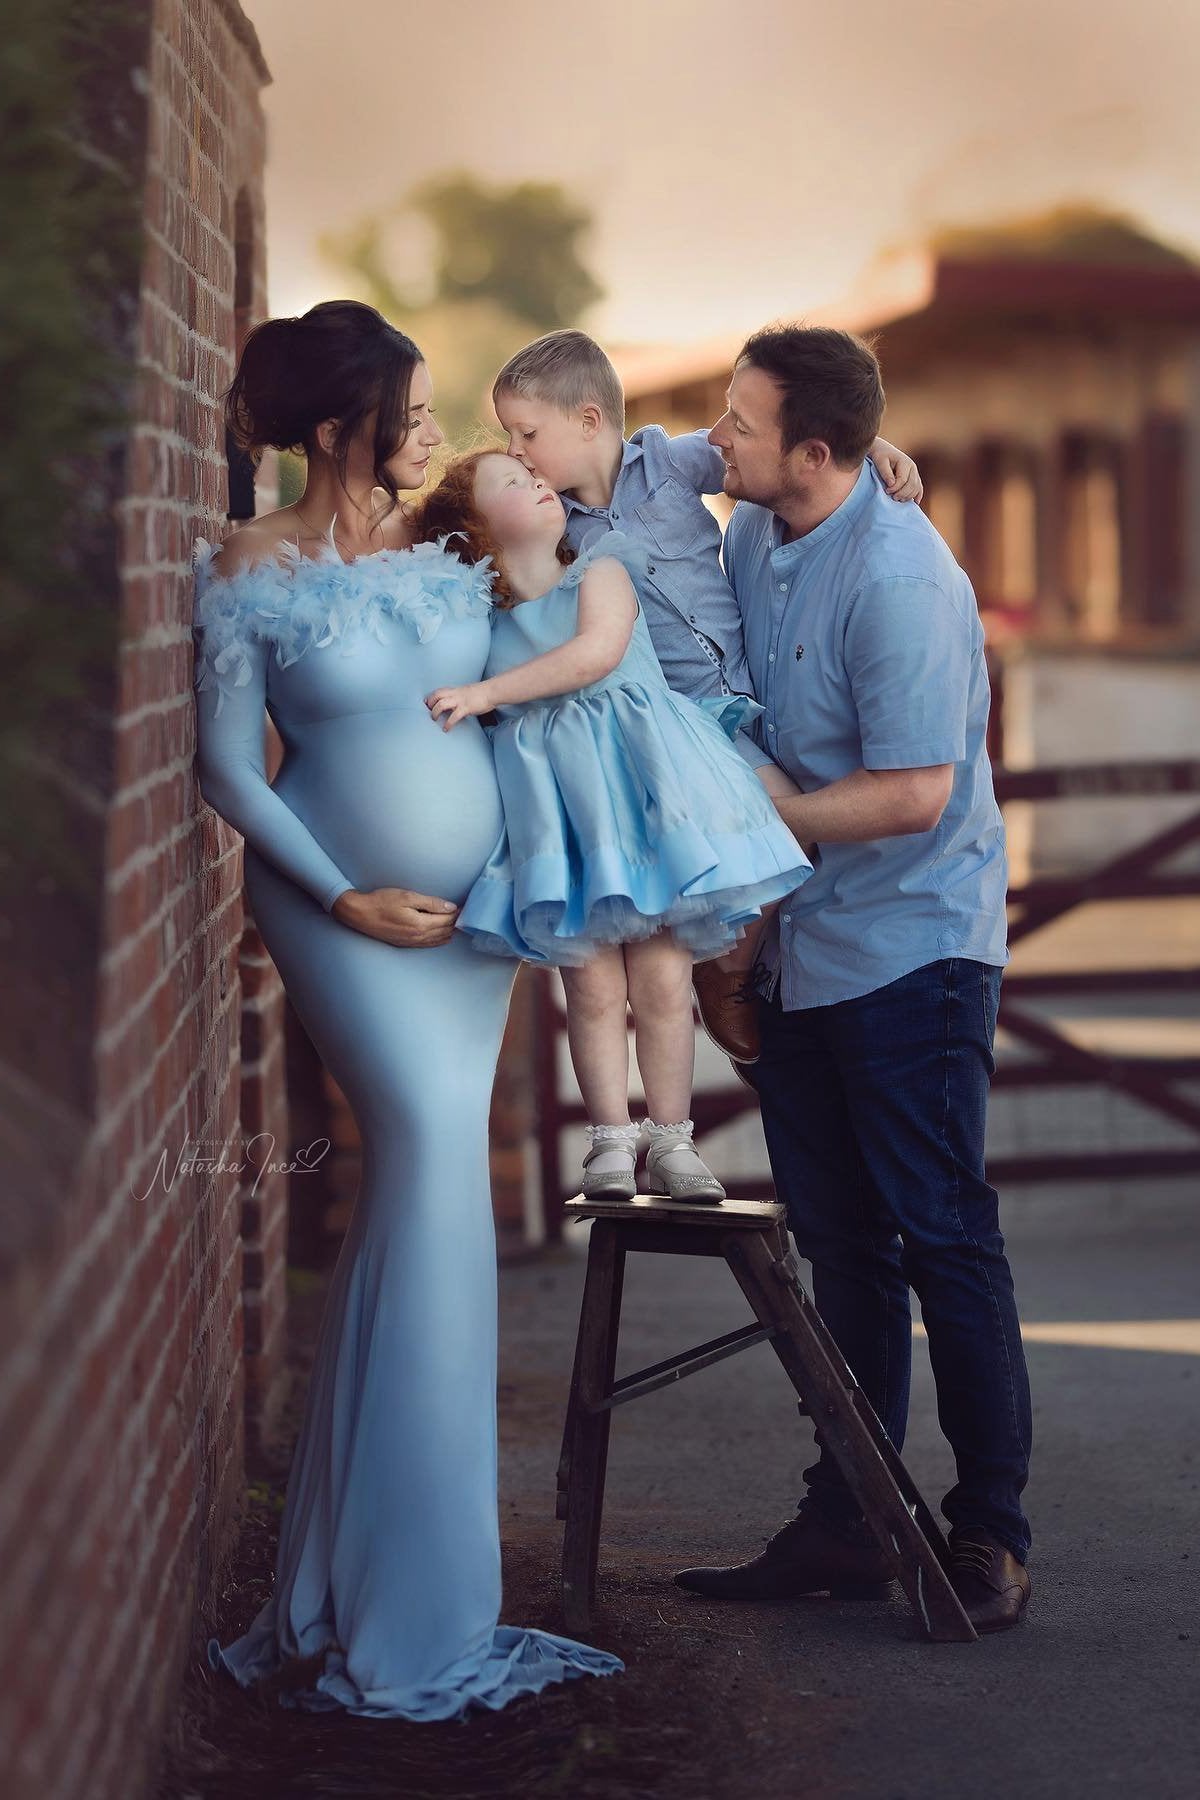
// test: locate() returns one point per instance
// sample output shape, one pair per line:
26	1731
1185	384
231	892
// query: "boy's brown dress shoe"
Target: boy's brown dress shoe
808	1555
728	1008
992	1584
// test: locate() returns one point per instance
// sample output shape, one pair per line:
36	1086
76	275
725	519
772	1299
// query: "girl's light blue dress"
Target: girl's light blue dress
626	806
388	1573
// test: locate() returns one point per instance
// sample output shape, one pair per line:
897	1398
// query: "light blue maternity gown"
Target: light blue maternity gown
389	1549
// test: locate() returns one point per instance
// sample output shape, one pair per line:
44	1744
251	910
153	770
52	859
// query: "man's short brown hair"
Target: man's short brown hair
830	387
567	369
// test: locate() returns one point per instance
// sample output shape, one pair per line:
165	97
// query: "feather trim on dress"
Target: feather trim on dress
298	603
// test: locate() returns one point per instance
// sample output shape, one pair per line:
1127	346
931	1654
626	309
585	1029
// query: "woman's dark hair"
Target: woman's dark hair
336	361
830	387
451	509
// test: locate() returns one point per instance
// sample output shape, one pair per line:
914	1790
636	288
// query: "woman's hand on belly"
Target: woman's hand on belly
397	916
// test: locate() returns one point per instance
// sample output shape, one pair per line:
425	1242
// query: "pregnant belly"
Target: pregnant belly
396	801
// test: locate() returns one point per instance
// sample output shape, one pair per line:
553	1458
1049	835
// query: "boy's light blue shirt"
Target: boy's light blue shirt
865	646
693	618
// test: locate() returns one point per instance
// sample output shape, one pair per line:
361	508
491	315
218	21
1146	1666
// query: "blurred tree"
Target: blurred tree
514	245
505	266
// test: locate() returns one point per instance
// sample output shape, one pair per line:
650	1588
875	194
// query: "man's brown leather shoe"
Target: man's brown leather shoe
807	1556
992	1584
728	1010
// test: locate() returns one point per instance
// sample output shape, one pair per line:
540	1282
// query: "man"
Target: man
880	978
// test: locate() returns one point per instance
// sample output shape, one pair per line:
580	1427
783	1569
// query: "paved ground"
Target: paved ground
1097	1692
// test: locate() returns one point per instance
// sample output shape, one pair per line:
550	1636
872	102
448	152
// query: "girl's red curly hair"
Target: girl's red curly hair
450	508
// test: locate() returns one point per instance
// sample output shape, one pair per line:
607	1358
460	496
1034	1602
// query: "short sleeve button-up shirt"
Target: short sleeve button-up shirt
865	647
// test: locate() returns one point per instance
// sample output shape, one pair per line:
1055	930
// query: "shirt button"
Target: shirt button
771	727
783	587
786	917
771	658
649	568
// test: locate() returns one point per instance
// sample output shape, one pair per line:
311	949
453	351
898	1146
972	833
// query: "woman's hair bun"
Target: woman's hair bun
339	360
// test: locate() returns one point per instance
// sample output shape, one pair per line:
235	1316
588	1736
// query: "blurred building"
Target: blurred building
1047	379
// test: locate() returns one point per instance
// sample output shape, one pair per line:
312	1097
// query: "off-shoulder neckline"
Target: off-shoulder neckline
291	560
294	559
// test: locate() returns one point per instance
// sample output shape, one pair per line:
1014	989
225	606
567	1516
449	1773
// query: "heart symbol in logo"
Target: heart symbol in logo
310	1157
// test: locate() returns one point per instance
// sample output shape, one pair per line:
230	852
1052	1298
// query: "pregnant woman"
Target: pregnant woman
388	1579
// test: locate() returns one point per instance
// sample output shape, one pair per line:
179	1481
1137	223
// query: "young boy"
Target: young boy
561	403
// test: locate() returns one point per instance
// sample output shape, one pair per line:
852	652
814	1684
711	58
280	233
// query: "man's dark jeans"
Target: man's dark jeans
874	1111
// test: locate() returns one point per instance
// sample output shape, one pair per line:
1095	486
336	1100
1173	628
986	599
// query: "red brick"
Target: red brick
168	1002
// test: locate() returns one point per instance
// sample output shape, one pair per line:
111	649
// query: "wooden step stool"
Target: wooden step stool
752	1237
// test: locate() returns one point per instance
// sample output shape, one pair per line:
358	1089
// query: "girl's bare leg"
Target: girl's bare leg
597	998
597	1033
660	994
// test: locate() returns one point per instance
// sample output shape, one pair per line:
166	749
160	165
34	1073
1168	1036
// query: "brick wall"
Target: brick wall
121	1399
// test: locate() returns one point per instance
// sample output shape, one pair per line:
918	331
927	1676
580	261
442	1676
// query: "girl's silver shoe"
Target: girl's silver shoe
697	1184
611	1184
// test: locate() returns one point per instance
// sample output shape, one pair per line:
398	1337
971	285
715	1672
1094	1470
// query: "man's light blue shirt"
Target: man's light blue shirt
865	646
693	618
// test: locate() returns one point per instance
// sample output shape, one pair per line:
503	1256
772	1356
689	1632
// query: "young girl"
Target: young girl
636	839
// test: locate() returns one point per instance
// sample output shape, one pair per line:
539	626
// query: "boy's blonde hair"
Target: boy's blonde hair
566	369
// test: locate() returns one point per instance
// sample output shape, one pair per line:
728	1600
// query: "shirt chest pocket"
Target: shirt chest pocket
671	518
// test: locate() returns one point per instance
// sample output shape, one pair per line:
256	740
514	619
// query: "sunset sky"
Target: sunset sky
742	159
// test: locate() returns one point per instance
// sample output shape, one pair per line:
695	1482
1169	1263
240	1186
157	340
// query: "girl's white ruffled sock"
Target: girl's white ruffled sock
613	1149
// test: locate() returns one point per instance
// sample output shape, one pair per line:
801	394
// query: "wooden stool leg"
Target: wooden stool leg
587	1457
768	1273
